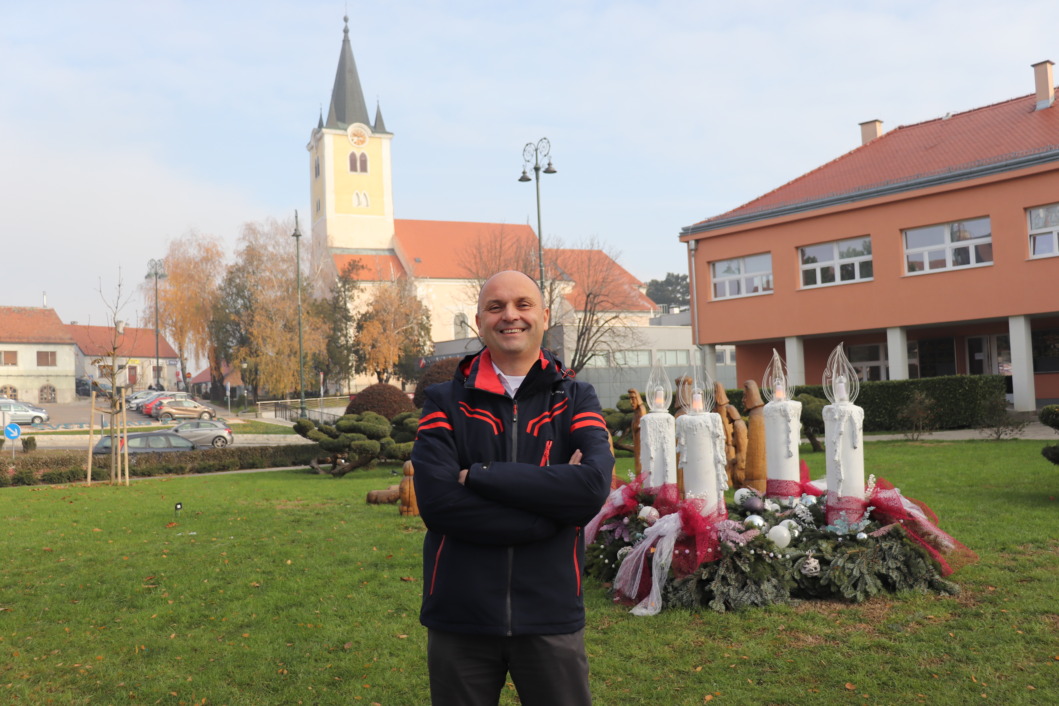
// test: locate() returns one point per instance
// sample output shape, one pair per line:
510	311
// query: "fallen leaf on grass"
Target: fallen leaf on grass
707	697
850	687
408	578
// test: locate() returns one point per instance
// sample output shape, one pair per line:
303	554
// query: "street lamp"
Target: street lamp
297	235
156	269
535	153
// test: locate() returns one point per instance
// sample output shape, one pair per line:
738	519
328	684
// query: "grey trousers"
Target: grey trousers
470	670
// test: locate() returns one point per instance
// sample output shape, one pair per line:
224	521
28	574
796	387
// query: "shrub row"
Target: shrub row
70	466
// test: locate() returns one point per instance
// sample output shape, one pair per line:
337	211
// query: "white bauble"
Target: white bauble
780	536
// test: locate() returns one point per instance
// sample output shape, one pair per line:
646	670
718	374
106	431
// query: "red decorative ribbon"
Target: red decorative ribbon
775	488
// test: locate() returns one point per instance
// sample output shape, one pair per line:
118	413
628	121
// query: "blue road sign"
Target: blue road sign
12	431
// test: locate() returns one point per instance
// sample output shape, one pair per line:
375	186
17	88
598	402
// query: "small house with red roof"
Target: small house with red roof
37	356
125	356
929	250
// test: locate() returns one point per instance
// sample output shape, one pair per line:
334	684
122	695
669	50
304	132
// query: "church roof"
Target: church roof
347	97
445	250
960	146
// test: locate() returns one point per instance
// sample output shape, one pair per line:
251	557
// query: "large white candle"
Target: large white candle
843	436
658	453
700	444
783	434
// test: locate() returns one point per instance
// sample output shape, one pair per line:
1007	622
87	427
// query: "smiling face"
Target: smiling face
511	320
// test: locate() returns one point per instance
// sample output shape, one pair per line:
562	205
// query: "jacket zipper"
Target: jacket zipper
511	549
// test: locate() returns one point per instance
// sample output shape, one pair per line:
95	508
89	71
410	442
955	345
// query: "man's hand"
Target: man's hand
463	475
576	458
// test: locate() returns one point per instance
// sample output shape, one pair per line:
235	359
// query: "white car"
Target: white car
18	412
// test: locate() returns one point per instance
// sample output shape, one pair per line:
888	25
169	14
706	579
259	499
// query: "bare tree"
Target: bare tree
597	302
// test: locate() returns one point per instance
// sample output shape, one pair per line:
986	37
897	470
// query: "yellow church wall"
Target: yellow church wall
347	183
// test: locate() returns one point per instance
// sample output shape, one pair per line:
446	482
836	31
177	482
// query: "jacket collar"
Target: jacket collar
476	372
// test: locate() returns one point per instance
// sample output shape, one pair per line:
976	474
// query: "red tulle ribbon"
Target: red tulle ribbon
621	501
775	488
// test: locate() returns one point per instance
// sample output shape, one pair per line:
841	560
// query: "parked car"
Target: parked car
147	442
135	398
206	432
141	402
168	410
23	414
148	408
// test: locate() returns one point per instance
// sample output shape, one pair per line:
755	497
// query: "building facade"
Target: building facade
929	250
37	356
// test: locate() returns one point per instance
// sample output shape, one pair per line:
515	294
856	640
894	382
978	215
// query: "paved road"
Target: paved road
74	416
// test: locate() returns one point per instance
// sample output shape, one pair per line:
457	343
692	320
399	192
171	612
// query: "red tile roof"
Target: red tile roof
135	343
374	268
960	142
20	324
435	249
595	270
228	374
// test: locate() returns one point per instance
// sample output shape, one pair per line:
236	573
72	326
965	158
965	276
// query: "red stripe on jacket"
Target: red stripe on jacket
536	423
484	415
588	419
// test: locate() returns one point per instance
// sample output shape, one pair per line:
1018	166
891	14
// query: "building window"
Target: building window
461	327
932	357
1045	345
742	276
46	359
1044	230
317	160
8	357
360	199
724	355
674	358
598	360
949	246
632	359
46	394
9	391
868	360
358	162
837	262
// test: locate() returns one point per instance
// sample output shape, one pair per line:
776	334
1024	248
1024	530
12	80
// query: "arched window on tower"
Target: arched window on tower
363	162
460	326
354	161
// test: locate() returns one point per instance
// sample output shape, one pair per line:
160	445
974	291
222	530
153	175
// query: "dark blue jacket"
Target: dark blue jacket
504	555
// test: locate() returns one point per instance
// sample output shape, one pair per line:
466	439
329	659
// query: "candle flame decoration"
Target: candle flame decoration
696	397
774	381
659	389
841	381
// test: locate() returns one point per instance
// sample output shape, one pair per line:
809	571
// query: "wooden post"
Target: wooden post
756	465
91	428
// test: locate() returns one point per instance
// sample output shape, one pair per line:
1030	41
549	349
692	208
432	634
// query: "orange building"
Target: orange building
929	250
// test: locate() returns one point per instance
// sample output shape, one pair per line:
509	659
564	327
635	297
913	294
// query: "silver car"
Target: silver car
206	432
19	412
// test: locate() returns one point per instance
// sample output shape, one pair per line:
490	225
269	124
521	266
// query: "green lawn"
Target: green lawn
286	588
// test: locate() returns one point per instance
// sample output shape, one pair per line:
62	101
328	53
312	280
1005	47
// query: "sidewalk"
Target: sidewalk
1033	430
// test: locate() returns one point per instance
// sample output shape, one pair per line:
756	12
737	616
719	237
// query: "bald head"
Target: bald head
511	320
508	278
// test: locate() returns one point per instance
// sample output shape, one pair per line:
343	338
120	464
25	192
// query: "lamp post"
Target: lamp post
298	270
535	153
156	269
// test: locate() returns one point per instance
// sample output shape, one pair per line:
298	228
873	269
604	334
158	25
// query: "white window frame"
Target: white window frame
1043	225
675	357
947	253
836	262
632	358
733	278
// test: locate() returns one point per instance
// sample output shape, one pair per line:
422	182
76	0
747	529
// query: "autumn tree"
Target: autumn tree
255	319
395	324
187	294
338	359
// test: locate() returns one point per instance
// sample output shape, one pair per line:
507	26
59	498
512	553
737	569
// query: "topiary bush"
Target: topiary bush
1049	416
381	398
439	371
354	441
405	426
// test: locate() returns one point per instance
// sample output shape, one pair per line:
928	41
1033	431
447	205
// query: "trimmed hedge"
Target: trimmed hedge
69	466
958	399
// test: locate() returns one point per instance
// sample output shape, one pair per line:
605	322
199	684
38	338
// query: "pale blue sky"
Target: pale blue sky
124	124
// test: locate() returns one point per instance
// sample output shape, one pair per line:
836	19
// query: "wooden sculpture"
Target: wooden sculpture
734	435
638	410
756	474
407	491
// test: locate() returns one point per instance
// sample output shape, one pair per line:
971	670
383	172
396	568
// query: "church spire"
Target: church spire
347	98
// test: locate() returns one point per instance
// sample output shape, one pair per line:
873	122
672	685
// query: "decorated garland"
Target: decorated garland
653	552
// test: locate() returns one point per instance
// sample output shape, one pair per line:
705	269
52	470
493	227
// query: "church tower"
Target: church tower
351	178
